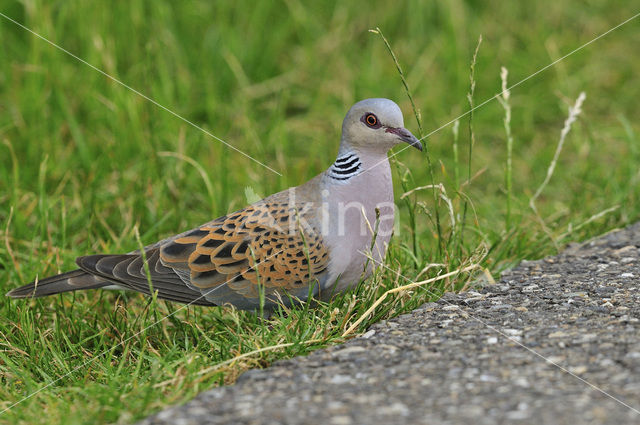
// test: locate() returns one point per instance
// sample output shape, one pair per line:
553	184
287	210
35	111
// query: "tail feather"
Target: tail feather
65	282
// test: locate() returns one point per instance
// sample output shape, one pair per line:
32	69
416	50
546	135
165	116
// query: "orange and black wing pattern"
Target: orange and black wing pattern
268	245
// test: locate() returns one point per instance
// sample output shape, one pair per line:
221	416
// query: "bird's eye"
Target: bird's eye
371	120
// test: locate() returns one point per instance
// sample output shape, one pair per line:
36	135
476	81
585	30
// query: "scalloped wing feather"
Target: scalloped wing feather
269	243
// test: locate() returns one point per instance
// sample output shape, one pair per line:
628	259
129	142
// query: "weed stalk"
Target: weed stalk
472	138
504	101
416	112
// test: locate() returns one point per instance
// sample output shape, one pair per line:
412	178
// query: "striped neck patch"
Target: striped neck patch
345	167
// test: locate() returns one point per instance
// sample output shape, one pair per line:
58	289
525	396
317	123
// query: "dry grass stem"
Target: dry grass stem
404	288
574	112
504	101
571	229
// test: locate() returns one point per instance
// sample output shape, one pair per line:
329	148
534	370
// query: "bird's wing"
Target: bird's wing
128	271
269	244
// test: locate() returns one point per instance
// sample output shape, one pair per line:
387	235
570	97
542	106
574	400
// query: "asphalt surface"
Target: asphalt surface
555	341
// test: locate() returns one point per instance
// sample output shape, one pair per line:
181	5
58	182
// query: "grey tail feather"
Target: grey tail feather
65	282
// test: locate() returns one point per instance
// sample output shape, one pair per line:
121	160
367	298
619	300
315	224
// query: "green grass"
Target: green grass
82	166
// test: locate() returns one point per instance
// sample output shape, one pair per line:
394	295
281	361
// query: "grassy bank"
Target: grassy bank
86	163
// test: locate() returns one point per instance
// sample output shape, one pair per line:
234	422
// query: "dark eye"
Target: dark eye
371	120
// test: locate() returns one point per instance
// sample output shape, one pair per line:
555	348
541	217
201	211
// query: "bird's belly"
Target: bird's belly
357	240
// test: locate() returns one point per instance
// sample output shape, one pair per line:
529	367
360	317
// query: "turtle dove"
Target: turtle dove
314	239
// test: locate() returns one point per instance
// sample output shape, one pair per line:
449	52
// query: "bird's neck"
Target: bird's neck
346	166
353	162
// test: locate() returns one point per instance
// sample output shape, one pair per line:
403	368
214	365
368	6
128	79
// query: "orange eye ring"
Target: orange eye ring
371	120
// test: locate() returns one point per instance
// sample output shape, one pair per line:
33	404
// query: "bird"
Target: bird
311	241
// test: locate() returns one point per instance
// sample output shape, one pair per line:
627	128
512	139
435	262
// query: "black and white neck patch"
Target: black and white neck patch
345	167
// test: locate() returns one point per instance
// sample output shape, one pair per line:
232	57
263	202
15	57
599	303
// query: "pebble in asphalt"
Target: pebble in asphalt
459	360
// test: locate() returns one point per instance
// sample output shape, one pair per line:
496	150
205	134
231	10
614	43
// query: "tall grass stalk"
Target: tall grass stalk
456	157
504	101
416	113
574	112
472	138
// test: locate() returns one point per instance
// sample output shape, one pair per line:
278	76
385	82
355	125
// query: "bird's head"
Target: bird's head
376	125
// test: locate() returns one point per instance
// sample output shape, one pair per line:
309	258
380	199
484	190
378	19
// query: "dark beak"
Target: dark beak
406	136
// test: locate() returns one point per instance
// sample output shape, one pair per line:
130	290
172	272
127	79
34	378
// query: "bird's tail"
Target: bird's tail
65	282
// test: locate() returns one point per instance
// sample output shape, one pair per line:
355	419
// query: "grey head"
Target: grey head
375	125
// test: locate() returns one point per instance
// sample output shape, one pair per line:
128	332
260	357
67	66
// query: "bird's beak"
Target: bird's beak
406	136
